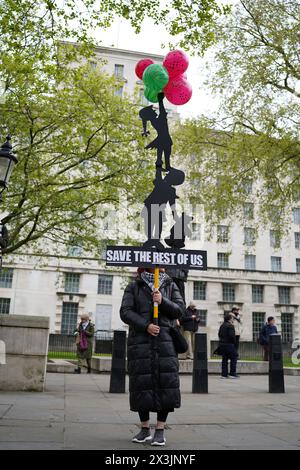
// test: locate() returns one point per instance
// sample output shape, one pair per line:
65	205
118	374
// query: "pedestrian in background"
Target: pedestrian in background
152	360
235	312
84	334
190	322
227	347
264	336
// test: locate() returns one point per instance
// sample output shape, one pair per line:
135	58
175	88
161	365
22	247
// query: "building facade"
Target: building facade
255	273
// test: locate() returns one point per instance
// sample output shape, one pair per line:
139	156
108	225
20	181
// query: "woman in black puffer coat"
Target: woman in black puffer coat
152	360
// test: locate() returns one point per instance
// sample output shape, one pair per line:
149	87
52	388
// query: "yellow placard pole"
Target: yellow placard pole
156	286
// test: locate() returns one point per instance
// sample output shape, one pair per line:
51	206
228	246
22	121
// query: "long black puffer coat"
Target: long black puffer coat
152	361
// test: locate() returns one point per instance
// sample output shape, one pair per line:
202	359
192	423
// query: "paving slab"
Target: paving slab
78	412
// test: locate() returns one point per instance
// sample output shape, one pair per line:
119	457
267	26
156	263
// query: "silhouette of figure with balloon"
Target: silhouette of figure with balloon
163	142
164	80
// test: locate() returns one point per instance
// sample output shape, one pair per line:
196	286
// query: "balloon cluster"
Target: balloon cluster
169	78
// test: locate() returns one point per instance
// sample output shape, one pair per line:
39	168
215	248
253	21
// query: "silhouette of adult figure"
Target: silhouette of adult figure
154	209
163	142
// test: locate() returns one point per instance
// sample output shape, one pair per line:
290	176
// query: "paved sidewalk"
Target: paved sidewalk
77	412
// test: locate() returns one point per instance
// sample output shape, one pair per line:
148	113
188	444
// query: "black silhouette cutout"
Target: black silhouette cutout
179	231
163	193
163	142
155	205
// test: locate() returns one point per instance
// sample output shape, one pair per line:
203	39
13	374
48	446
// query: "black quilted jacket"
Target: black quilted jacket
152	361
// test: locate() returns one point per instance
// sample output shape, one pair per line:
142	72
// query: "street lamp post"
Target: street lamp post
7	162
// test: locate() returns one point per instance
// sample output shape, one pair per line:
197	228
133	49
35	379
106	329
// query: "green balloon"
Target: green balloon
155	77
151	95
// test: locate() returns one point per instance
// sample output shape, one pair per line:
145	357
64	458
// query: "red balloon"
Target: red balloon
178	91
141	67
176	63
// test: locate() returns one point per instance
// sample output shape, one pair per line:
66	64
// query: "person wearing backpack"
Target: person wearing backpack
264	336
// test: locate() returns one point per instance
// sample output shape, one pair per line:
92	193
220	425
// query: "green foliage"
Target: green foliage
257	138
77	145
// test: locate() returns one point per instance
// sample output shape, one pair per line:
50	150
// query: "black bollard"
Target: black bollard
276	376
200	367
118	373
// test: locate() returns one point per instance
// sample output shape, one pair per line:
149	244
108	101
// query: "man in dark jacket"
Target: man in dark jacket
190	322
227	347
152	360
264	337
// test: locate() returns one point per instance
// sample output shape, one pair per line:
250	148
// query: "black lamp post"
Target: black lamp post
7	163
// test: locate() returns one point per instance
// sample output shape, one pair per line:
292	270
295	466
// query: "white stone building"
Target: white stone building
257	276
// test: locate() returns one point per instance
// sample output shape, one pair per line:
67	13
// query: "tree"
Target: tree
77	143
77	146
255	137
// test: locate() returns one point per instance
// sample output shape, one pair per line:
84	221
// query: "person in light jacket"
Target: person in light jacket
235	312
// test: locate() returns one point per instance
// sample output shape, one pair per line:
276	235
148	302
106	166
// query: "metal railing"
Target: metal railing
252	351
64	347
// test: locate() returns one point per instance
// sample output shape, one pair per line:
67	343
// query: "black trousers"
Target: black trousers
237	343
161	416
228	352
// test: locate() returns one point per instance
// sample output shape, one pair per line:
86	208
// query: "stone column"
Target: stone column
25	338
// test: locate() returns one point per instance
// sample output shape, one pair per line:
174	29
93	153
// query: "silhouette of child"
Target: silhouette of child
163	142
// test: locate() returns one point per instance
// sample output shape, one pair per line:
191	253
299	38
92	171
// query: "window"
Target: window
75	250
297	215
196	231
249	236
203	317
119	71
222	234
258	321
199	290
250	262
287	327
297	239
4	306
248	210
105	284
298	265
274	239
119	91
109	220
223	260
247	185
69	318
6	277
276	263
228	292
72	282
143	99
284	295
257	294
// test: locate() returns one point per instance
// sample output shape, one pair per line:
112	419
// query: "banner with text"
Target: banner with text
151	257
